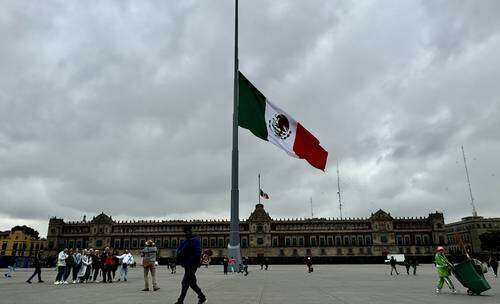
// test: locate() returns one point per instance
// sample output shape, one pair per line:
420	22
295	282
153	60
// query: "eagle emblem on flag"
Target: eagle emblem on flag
280	126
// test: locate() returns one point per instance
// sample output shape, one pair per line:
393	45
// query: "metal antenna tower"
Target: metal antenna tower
338	190
474	212
312	212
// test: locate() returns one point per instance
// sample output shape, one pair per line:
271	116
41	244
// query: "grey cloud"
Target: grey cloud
125	107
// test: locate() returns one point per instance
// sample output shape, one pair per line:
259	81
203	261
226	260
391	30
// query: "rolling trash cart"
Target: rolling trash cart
467	275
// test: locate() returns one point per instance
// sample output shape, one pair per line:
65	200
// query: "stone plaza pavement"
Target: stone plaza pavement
279	285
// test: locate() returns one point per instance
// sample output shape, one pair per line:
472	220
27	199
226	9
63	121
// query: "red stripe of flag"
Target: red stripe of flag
307	146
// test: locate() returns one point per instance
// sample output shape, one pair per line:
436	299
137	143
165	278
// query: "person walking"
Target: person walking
393	263
225	264
11	267
414	264
77	259
173	266
443	267
493	261
61	267
244	261
266	263
407	265
188	256
309	264
37	263
148	262
125	259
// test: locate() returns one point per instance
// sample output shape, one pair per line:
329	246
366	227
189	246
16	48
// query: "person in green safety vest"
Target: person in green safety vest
443	267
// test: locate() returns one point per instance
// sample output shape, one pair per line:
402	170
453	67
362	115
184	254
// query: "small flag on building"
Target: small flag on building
263	194
270	123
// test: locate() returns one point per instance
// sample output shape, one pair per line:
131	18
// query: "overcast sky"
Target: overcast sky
125	107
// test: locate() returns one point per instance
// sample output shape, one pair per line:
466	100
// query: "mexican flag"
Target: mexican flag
270	123
263	194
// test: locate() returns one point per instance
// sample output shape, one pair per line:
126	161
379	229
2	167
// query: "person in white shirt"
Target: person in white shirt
126	259
61	267
84	271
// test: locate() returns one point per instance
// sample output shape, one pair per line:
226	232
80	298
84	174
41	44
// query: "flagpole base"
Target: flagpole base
234	252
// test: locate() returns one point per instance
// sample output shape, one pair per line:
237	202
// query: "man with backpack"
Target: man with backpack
149	264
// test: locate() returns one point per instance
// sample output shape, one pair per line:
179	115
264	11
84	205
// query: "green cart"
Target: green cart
467	275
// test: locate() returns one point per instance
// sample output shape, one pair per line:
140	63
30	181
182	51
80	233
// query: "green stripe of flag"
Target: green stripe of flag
252	108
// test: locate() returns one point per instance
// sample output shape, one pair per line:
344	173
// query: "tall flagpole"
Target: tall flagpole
259	189
234	234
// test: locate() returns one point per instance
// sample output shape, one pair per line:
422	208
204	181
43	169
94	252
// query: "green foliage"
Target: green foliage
27	230
490	241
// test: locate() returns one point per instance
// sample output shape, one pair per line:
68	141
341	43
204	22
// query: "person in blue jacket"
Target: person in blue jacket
188	256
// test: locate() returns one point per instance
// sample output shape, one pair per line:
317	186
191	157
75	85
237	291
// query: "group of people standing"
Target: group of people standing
86	266
230	264
409	262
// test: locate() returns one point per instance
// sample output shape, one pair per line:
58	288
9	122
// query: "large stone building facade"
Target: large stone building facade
20	245
281	240
465	234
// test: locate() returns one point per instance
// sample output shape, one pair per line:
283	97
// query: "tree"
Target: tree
490	241
27	230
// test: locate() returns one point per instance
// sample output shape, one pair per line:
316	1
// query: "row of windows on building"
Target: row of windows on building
459	249
415	240
338	251
415	225
25	238
20	249
322	241
141	229
287	241
222	242
418	250
168	228
277	227
133	243
474	226
464	237
338	227
73	230
213	242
